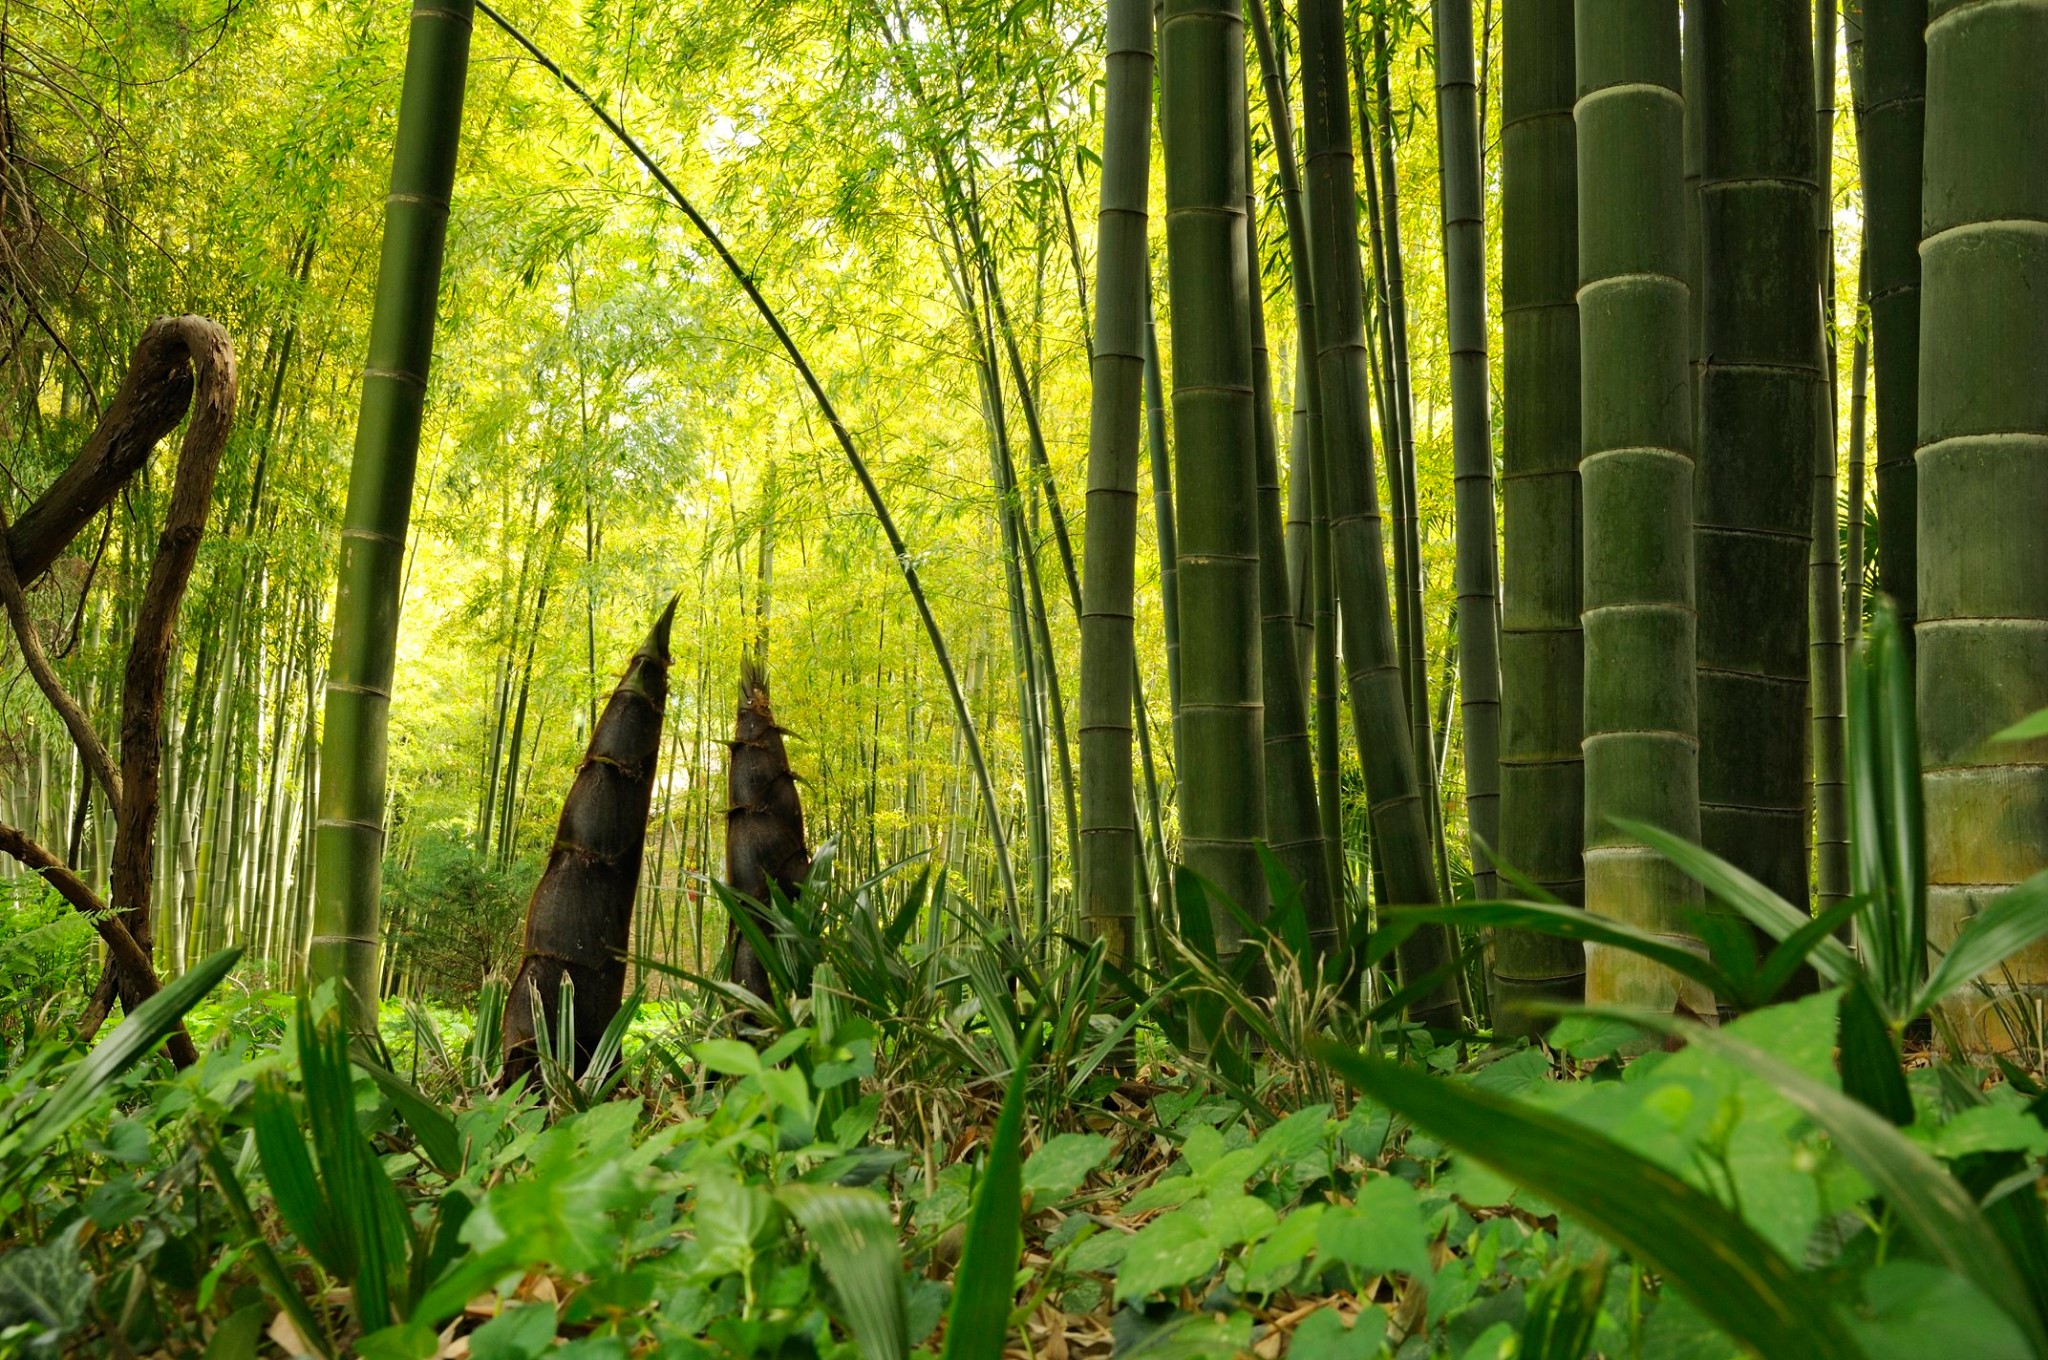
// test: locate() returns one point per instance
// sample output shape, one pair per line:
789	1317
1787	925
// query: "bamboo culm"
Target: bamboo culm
1401	836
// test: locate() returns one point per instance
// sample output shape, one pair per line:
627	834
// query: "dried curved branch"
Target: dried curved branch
121	945
152	400
202	352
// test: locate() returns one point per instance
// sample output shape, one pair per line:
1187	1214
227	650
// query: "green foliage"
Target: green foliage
454	914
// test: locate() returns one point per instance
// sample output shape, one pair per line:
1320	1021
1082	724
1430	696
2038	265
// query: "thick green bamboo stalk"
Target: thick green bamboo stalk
1542	774
1636	480
1294	828
1478	569
1109	814
1983	460
1753	493
349	840
1401	840
1222	773
1894	121
1826	675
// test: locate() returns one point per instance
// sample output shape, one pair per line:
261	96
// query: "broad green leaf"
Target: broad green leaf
1932	1203
1325	1335
1985	1128
1294	1137
524	1331
1913	1310
1235	1219
1707	1253
1379	1232
2015	919
855	1235
1171	1251
238	1337
1275	1262
46	1287
1061	1164
134	1037
727	1056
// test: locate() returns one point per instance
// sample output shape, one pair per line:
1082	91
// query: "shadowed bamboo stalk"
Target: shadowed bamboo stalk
1308	473
1109	814
1222	774
1636	480
349	837
1826	676
1983	466
1162	513
1478	572
1894	130
1411	605
1859	359
1761	400
1401	839
1294	827
1542	777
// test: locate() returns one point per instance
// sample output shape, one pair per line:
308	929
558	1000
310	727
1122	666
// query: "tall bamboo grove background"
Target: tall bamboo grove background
1393	435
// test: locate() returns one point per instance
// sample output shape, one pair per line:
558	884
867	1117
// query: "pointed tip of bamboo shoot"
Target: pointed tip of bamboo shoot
657	640
753	683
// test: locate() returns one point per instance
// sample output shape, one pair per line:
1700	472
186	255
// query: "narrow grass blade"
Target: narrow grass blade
1784	960
857	1245
1732	1275
268	1268
1898	731
2026	729
978	1322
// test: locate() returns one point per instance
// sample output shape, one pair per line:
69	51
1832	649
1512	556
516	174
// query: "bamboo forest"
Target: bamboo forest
1024	679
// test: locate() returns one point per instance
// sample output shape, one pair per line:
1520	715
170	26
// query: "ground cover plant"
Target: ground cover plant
648	779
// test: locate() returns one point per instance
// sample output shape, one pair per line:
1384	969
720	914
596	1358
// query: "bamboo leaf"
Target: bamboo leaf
1937	1208
857	1245
435	1131
1870	1059
131	1040
2014	920
1765	908
294	1189
2026	729
978	1322
1721	1264
1572	923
